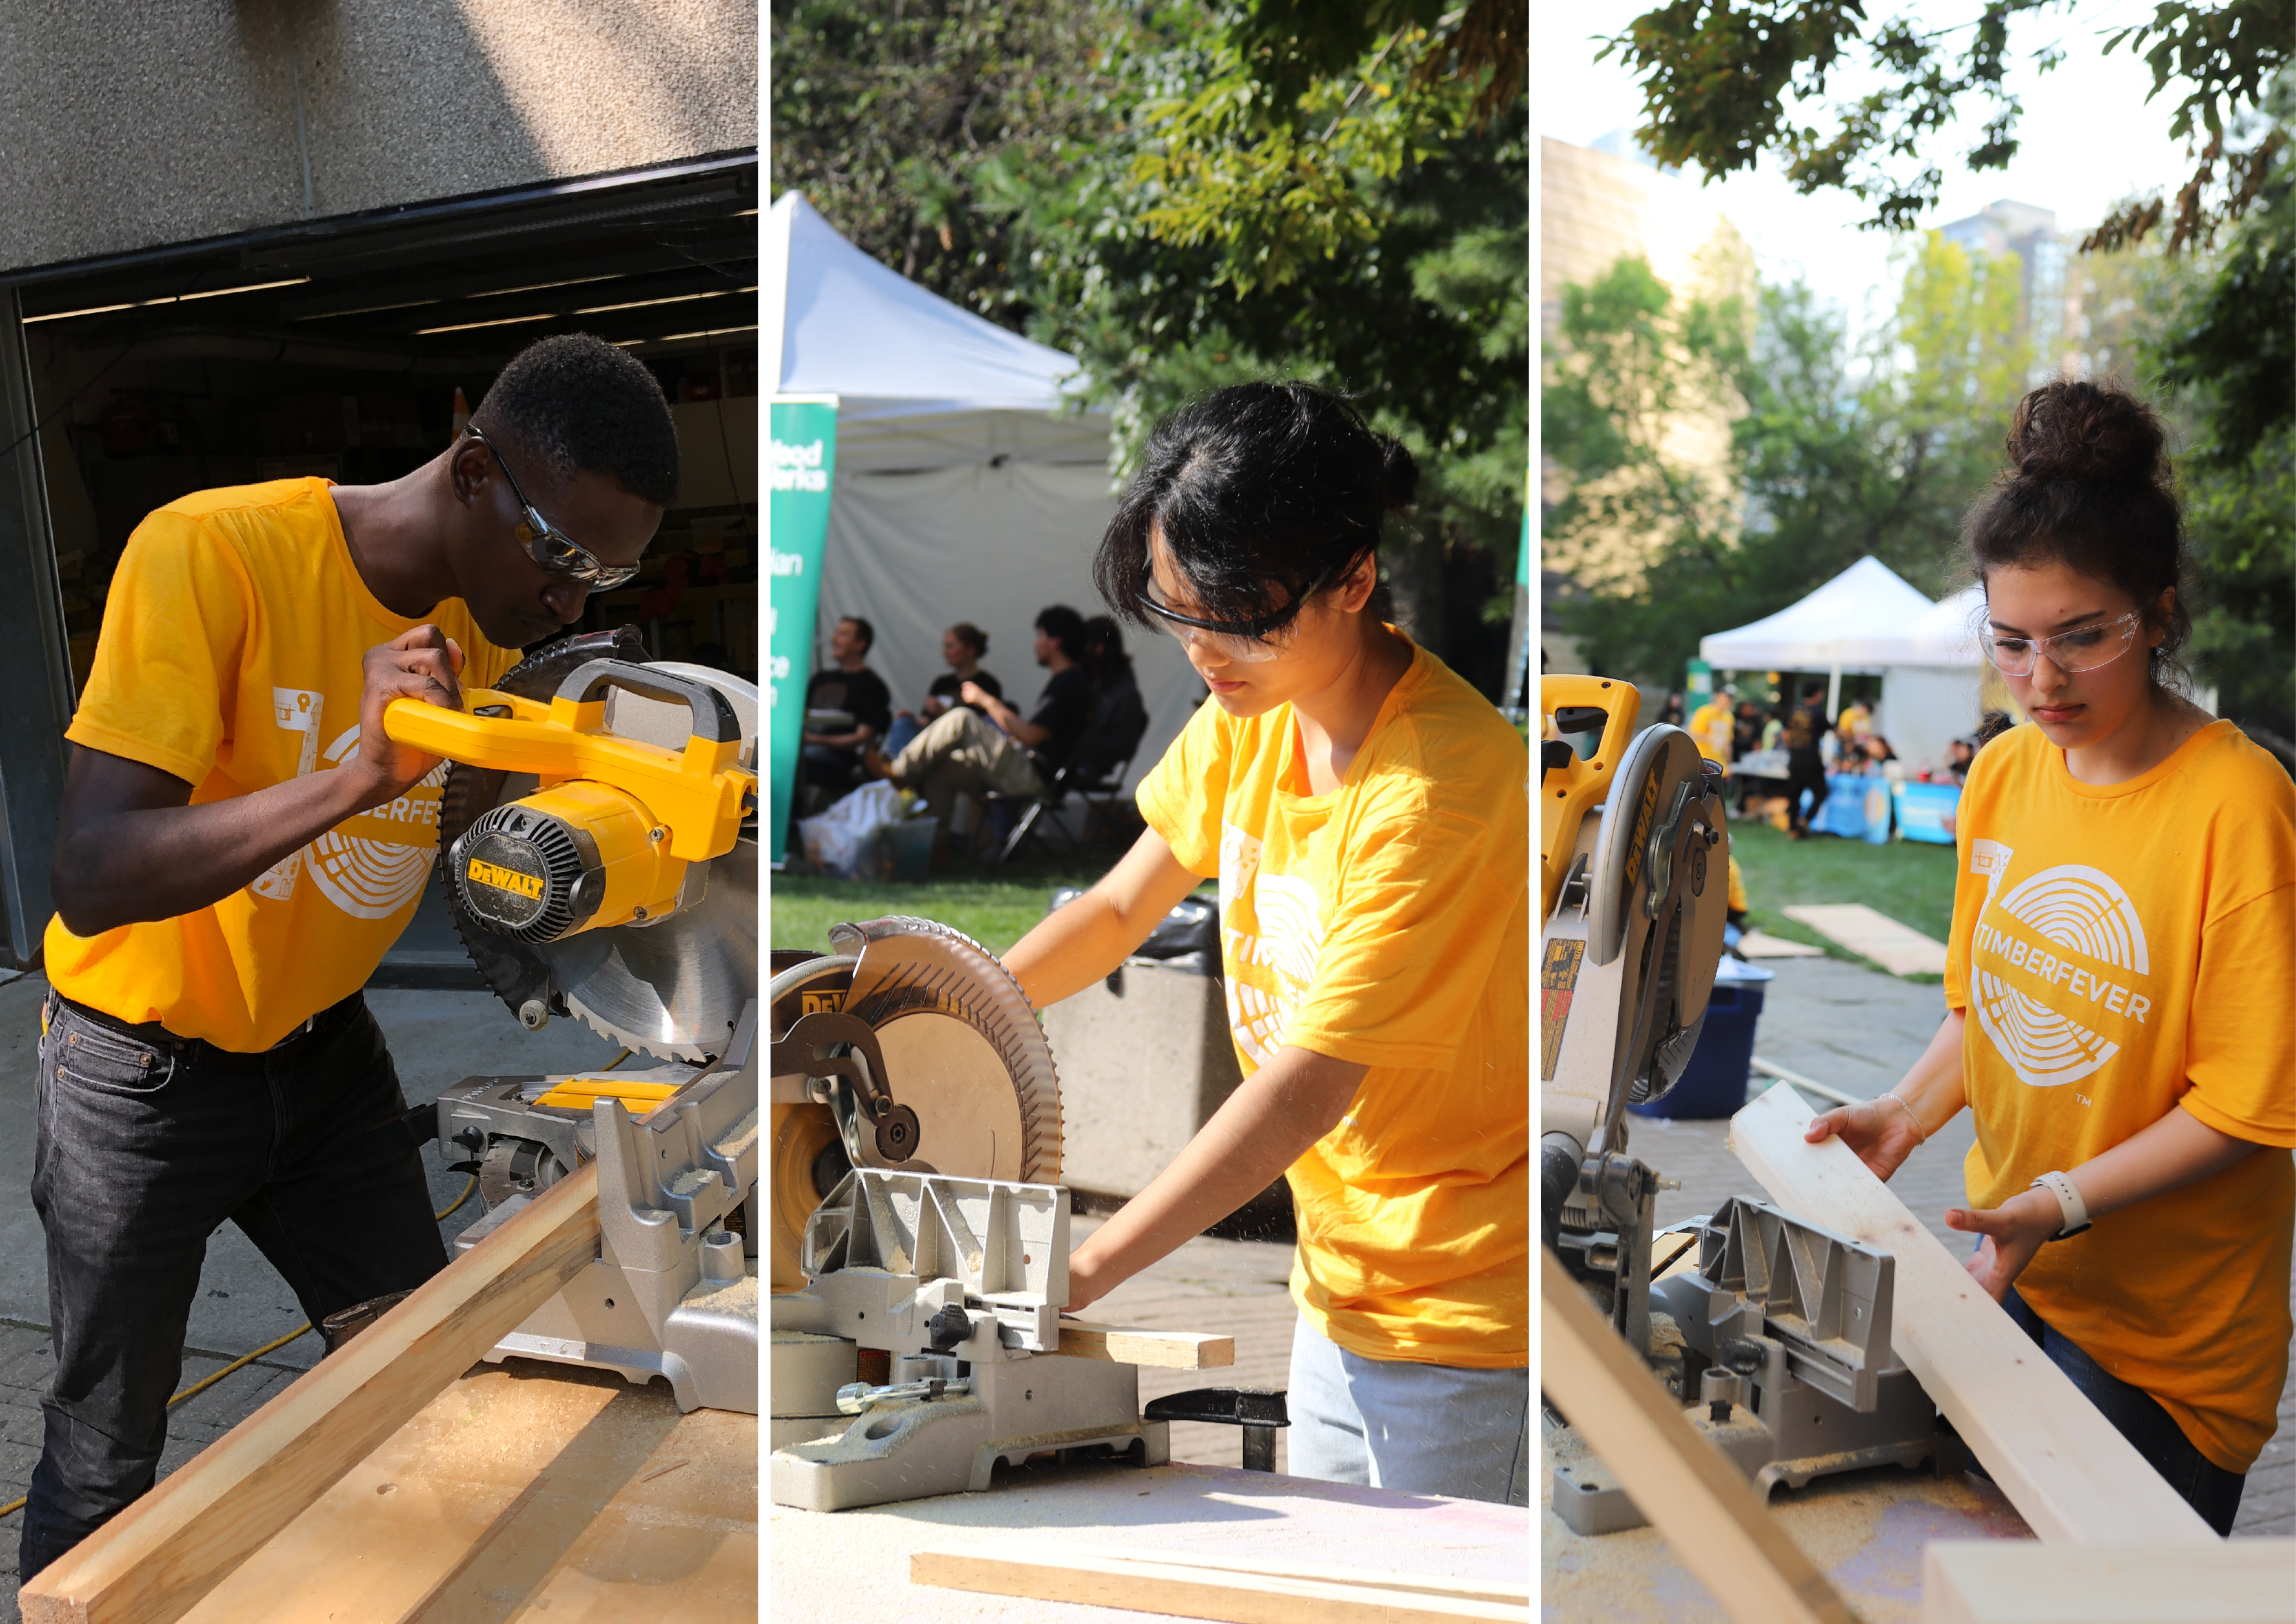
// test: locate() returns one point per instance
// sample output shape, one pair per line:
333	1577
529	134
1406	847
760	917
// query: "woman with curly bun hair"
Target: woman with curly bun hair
1364	812
2118	977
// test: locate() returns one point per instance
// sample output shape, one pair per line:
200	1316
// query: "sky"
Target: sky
2088	139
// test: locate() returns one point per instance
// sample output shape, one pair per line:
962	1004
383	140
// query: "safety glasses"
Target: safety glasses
551	547
1249	640
2081	650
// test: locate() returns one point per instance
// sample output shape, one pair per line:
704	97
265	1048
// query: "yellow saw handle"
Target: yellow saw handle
1567	794
697	792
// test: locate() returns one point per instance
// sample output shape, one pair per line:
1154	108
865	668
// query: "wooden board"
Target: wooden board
1179	1586
1900	950
2069	1473
152	1561
1086	1339
1761	944
525	1492
2240	1581
1709	1515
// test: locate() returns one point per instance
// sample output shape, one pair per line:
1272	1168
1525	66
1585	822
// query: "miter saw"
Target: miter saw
920	1245
1779	1332
598	839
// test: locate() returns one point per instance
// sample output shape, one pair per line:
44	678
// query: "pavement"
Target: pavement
437	1038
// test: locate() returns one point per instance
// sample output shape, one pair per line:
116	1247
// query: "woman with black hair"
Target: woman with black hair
2117	982
1364	812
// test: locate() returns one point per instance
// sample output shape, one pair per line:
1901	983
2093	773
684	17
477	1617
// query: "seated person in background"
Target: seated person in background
1958	755
1876	751
962	646
1118	715
987	745
1670	713
847	685
1856	721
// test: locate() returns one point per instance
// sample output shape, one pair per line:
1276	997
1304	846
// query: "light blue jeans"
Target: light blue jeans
1418	1429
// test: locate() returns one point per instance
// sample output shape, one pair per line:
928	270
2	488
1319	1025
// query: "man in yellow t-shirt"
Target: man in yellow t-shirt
1366	813
1712	724
239	844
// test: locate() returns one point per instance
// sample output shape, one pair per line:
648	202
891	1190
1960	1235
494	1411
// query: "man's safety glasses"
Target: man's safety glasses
2082	650
551	547
1250	641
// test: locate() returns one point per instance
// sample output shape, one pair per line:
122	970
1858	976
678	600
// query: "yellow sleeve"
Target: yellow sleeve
2240	1050
166	674
1182	797
1414	933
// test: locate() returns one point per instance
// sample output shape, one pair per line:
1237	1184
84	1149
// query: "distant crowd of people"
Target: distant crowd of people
1728	729
963	738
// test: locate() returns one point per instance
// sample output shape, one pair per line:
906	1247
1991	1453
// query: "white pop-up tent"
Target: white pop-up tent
966	488
1867	620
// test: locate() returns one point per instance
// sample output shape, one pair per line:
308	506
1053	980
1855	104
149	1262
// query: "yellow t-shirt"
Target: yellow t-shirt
2121	950
231	657
1387	923
1712	726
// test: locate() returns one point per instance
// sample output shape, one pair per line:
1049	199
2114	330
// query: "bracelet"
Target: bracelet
1900	1100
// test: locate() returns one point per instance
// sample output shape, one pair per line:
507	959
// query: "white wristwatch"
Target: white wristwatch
2068	1202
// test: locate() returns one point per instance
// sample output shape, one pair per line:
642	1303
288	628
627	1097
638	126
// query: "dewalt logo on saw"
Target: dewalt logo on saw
482	873
1642	829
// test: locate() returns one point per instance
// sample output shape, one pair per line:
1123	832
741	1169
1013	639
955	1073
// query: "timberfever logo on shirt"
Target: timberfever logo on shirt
1285	943
2066	929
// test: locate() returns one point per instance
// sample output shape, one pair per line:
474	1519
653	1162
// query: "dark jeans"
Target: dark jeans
2210	1490
147	1144
1798	779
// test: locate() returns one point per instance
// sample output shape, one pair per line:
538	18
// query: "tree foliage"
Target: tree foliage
1721	80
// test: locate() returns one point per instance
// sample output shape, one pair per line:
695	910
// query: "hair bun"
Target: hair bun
2098	433
1399	475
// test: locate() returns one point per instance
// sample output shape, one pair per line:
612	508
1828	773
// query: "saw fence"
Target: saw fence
2117	1545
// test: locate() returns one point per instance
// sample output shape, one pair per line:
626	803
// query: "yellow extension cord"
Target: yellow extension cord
245	1360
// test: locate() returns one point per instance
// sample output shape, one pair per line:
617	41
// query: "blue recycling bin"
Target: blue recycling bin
1857	808
1714	1083
1926	811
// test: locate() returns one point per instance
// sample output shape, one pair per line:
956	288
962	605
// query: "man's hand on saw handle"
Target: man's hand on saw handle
423	664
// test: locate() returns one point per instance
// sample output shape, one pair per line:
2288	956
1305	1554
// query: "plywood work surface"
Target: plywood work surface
1208	1513
526	1492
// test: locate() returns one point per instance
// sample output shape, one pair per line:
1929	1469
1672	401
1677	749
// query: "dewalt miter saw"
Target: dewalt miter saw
920	1247
598	840
1776	1331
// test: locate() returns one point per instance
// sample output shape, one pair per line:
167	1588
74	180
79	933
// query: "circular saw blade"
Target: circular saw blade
962	1049
674	988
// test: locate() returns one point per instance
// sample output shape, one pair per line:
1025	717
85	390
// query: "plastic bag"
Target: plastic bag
843	841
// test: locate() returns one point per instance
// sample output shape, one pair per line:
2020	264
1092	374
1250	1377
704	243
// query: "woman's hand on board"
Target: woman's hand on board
1882	1132
2013	1232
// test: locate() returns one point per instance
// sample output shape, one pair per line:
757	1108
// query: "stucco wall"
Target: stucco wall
133	123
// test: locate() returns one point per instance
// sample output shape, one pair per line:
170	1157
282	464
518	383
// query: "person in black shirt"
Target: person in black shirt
1805	766
985	744
847	684
962	646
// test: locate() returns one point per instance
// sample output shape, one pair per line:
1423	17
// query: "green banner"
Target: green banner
801	467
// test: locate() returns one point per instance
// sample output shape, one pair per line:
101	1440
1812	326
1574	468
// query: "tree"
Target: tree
1830	467
1718	76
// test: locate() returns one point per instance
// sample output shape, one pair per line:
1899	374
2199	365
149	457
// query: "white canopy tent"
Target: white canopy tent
965	489
1868	620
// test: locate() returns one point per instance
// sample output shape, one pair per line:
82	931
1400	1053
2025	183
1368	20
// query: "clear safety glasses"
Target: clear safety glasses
551	547
1248	641
2082	650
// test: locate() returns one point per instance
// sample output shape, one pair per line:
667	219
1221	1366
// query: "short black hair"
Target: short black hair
1064	627
579	405
1259	491
1813	689
868	633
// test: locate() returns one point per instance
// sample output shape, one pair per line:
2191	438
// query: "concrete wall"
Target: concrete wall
128	124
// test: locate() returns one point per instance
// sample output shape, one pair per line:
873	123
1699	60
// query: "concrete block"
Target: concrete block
1144	1060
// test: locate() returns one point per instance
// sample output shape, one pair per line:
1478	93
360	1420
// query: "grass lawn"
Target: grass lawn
995	909
1912	883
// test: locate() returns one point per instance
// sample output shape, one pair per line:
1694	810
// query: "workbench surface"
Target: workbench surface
1867	1529
836	1567
541	1492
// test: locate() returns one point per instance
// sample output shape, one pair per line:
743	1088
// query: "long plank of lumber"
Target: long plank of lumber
1999	1581
150	1564
2069	1473
1517	1591
1710	1515
1129	1345
1043	1570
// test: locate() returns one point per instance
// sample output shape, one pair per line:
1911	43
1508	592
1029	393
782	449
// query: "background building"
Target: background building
279	237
